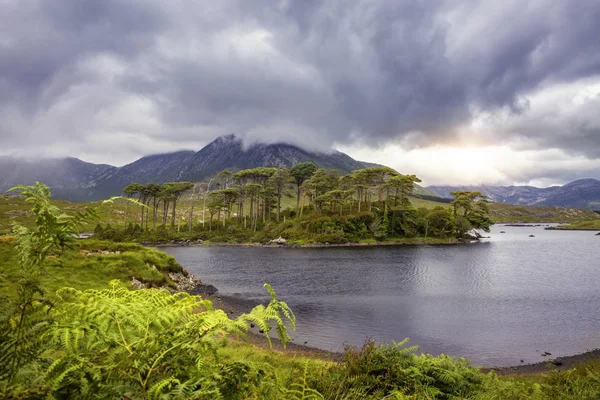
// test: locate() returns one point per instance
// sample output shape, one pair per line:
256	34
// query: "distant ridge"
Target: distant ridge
70	178
582	193
76	180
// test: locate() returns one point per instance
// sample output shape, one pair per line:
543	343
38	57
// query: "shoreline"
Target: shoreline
307	245
556	228
234	305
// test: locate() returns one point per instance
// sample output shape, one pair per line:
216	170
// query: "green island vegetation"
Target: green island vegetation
302	205
72	326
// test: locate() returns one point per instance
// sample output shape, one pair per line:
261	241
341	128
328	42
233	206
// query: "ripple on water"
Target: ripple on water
495	302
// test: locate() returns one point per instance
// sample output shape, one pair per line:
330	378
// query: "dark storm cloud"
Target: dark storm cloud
312	72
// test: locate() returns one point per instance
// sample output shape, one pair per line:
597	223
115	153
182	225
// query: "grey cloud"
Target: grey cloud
370	71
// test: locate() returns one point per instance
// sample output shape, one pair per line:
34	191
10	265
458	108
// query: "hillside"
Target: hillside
510	213
70	178
582	193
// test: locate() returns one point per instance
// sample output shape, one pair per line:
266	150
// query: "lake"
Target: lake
505	299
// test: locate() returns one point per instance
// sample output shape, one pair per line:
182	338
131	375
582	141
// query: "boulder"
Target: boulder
279	240
137	284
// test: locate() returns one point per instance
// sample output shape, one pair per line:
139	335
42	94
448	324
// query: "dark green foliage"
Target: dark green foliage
471	211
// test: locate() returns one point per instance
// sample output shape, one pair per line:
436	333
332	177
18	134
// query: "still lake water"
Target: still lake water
506	299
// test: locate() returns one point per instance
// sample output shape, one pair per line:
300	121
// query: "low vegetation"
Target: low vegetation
592	225
93	340
508	213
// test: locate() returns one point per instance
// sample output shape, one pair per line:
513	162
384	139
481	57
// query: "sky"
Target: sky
456	92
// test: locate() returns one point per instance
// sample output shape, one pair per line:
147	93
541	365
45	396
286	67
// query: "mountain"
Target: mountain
76	180
225	152
582	193
70	178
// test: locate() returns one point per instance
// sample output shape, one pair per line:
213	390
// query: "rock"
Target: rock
502	232
531	235
203	290
137	284
279	241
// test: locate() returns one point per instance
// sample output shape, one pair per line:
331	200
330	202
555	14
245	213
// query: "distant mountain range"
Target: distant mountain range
582	193
76	180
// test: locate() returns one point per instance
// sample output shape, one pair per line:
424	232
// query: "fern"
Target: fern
146	335
301	391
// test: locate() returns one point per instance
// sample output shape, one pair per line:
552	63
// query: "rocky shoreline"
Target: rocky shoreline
236	306
295	246
555	364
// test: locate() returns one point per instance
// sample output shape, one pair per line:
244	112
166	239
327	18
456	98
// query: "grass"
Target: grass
92	264
593	225
16	209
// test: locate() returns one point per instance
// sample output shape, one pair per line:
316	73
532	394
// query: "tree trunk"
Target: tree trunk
173	215
191	218
126	211
278	203
141	200
154	212
302	209
165	212
298	201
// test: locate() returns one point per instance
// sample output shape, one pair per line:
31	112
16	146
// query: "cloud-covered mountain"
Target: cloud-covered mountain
74	179
582	193
226	152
